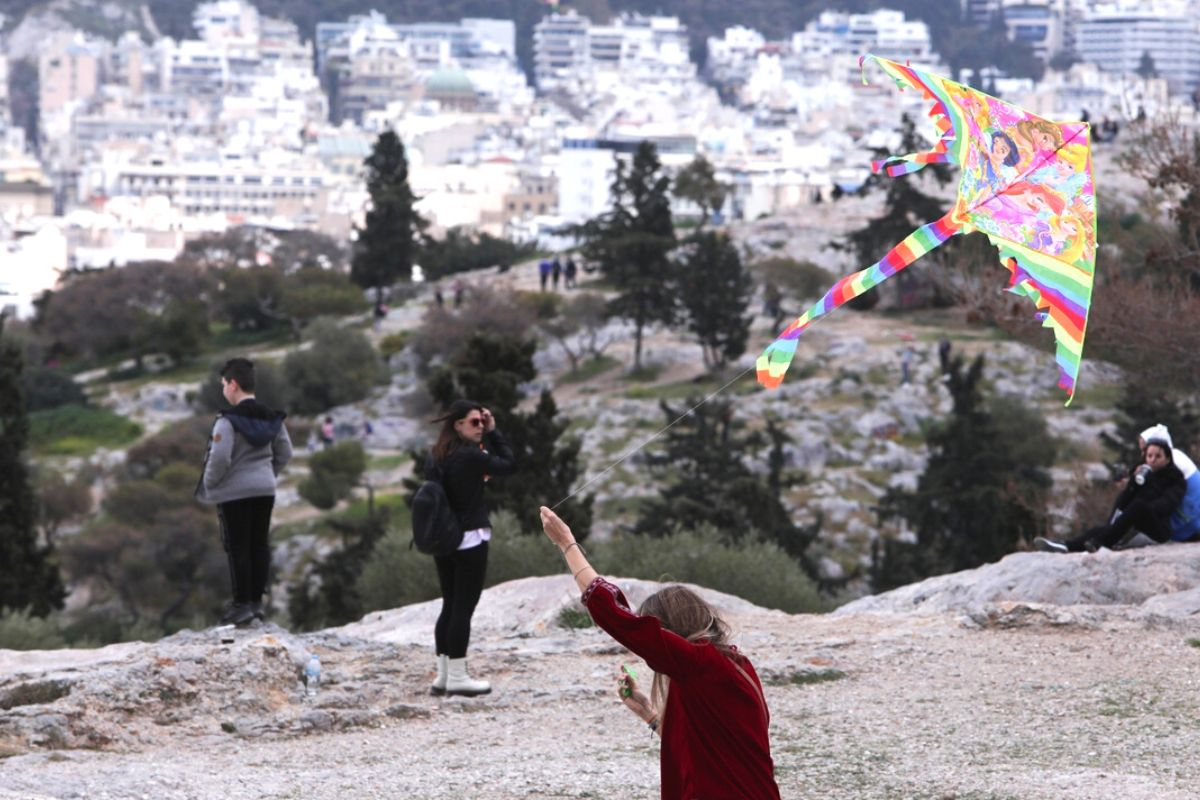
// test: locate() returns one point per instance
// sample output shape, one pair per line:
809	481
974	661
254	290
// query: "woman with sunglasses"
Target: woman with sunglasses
467	452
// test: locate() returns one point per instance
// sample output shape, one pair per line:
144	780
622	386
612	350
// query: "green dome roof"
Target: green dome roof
449	81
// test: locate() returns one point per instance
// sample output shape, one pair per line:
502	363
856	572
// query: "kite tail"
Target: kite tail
774	361
1061	293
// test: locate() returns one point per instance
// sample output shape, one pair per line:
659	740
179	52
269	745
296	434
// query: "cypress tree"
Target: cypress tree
490	370
715	291
983	490
632	245
388	243
29	576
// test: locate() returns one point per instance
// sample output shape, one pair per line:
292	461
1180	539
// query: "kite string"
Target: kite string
660	432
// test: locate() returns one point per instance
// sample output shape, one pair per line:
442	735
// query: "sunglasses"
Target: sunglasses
475	422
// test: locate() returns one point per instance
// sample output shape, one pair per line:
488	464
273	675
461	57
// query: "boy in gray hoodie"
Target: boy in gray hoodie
248	448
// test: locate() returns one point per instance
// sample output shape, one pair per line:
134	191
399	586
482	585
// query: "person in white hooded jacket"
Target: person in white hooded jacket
1185	521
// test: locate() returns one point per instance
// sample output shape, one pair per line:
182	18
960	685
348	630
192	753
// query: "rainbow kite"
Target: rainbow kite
1026	183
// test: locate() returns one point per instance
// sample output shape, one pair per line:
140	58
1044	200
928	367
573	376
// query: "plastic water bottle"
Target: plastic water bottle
312	676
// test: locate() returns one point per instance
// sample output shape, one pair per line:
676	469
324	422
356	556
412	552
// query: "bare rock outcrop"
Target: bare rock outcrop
1159	580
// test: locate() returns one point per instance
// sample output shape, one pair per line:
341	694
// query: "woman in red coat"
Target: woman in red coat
706	702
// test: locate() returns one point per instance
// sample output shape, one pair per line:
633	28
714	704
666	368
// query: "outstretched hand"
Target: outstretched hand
556	530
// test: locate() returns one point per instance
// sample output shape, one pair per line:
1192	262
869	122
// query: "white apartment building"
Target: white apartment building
732	57
566	46
239	188
1115	41
883	33
466	41
69	68
1041	24
586	168
226	20
560	47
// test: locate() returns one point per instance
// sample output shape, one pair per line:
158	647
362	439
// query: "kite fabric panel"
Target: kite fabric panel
1026	184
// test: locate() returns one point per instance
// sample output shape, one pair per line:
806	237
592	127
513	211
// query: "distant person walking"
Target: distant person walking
570	271
247	450
327	433
468	451
555	272
543	272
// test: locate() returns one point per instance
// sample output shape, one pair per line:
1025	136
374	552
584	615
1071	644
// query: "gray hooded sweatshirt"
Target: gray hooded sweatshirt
249	447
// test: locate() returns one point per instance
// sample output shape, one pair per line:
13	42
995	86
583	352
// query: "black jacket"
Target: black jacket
462	473
1158	497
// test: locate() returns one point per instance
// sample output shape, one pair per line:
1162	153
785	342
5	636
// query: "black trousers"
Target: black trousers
460	575
1136	515
245	533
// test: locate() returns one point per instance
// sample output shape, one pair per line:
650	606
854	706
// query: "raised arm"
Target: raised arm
559	533
663	650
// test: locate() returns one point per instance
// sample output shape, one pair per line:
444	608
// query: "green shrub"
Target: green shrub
341	367
396	575
575	618
801	279
79	430
393	343
46	388
19	630
759	572
333	474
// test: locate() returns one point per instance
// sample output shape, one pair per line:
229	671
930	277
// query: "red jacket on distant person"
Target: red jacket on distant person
714	730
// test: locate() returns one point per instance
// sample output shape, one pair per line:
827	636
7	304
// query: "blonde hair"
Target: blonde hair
1026	127
686	614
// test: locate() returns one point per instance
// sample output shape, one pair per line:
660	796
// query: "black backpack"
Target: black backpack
436	529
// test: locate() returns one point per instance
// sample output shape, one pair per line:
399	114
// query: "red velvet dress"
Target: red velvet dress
714	735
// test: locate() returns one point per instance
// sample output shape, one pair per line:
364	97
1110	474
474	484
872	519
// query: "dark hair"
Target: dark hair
687	614
240	370
1014	156
448	439
1163	446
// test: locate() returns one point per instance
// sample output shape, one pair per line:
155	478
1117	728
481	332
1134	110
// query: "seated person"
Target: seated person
1185	521
1152	492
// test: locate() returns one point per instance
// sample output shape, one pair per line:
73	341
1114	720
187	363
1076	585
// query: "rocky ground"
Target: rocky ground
1043	676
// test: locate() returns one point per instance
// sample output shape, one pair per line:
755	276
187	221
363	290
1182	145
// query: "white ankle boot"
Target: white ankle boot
439	683
459	682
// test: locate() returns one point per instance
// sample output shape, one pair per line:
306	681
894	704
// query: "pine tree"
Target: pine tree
632	245
703	457
490	370
983	490
29	576
715	290
388	243
906	208
698	182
